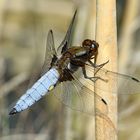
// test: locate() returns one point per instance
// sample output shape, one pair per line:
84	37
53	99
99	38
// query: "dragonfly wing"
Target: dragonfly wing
78	96
50	43
126	84
50	54
66	43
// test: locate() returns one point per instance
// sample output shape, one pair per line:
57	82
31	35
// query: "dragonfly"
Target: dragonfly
65	74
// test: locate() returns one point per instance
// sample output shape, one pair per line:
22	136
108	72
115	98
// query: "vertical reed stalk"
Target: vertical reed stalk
106	36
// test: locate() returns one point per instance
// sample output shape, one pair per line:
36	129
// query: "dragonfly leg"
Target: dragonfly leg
96	66
94	78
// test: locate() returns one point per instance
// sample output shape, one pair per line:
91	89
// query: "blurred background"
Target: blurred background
23	32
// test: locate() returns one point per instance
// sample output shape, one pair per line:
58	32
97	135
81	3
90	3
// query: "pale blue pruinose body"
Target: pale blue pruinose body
37	91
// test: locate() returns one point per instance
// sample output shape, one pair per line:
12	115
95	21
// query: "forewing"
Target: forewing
126	84
79	97
66	43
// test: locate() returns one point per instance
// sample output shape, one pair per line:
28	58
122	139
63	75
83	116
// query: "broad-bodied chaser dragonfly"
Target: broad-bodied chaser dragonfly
65	73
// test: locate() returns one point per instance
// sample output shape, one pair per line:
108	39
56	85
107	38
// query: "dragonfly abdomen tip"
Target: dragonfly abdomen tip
13	111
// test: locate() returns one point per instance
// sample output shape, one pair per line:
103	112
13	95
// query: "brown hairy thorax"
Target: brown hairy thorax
77	56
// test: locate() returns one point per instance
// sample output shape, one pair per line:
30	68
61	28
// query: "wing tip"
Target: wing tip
50	31
104	102
135	79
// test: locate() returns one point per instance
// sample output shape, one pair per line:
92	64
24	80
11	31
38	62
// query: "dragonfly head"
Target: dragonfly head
90	44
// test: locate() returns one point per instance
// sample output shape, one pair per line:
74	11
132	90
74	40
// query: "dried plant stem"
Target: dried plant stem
107	39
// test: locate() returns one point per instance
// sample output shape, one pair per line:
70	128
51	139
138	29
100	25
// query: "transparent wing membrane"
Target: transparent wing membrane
50	52
66	43
79	93
50	43
126	84
79	97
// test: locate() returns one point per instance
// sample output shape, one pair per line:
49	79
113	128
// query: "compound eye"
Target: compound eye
93	46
